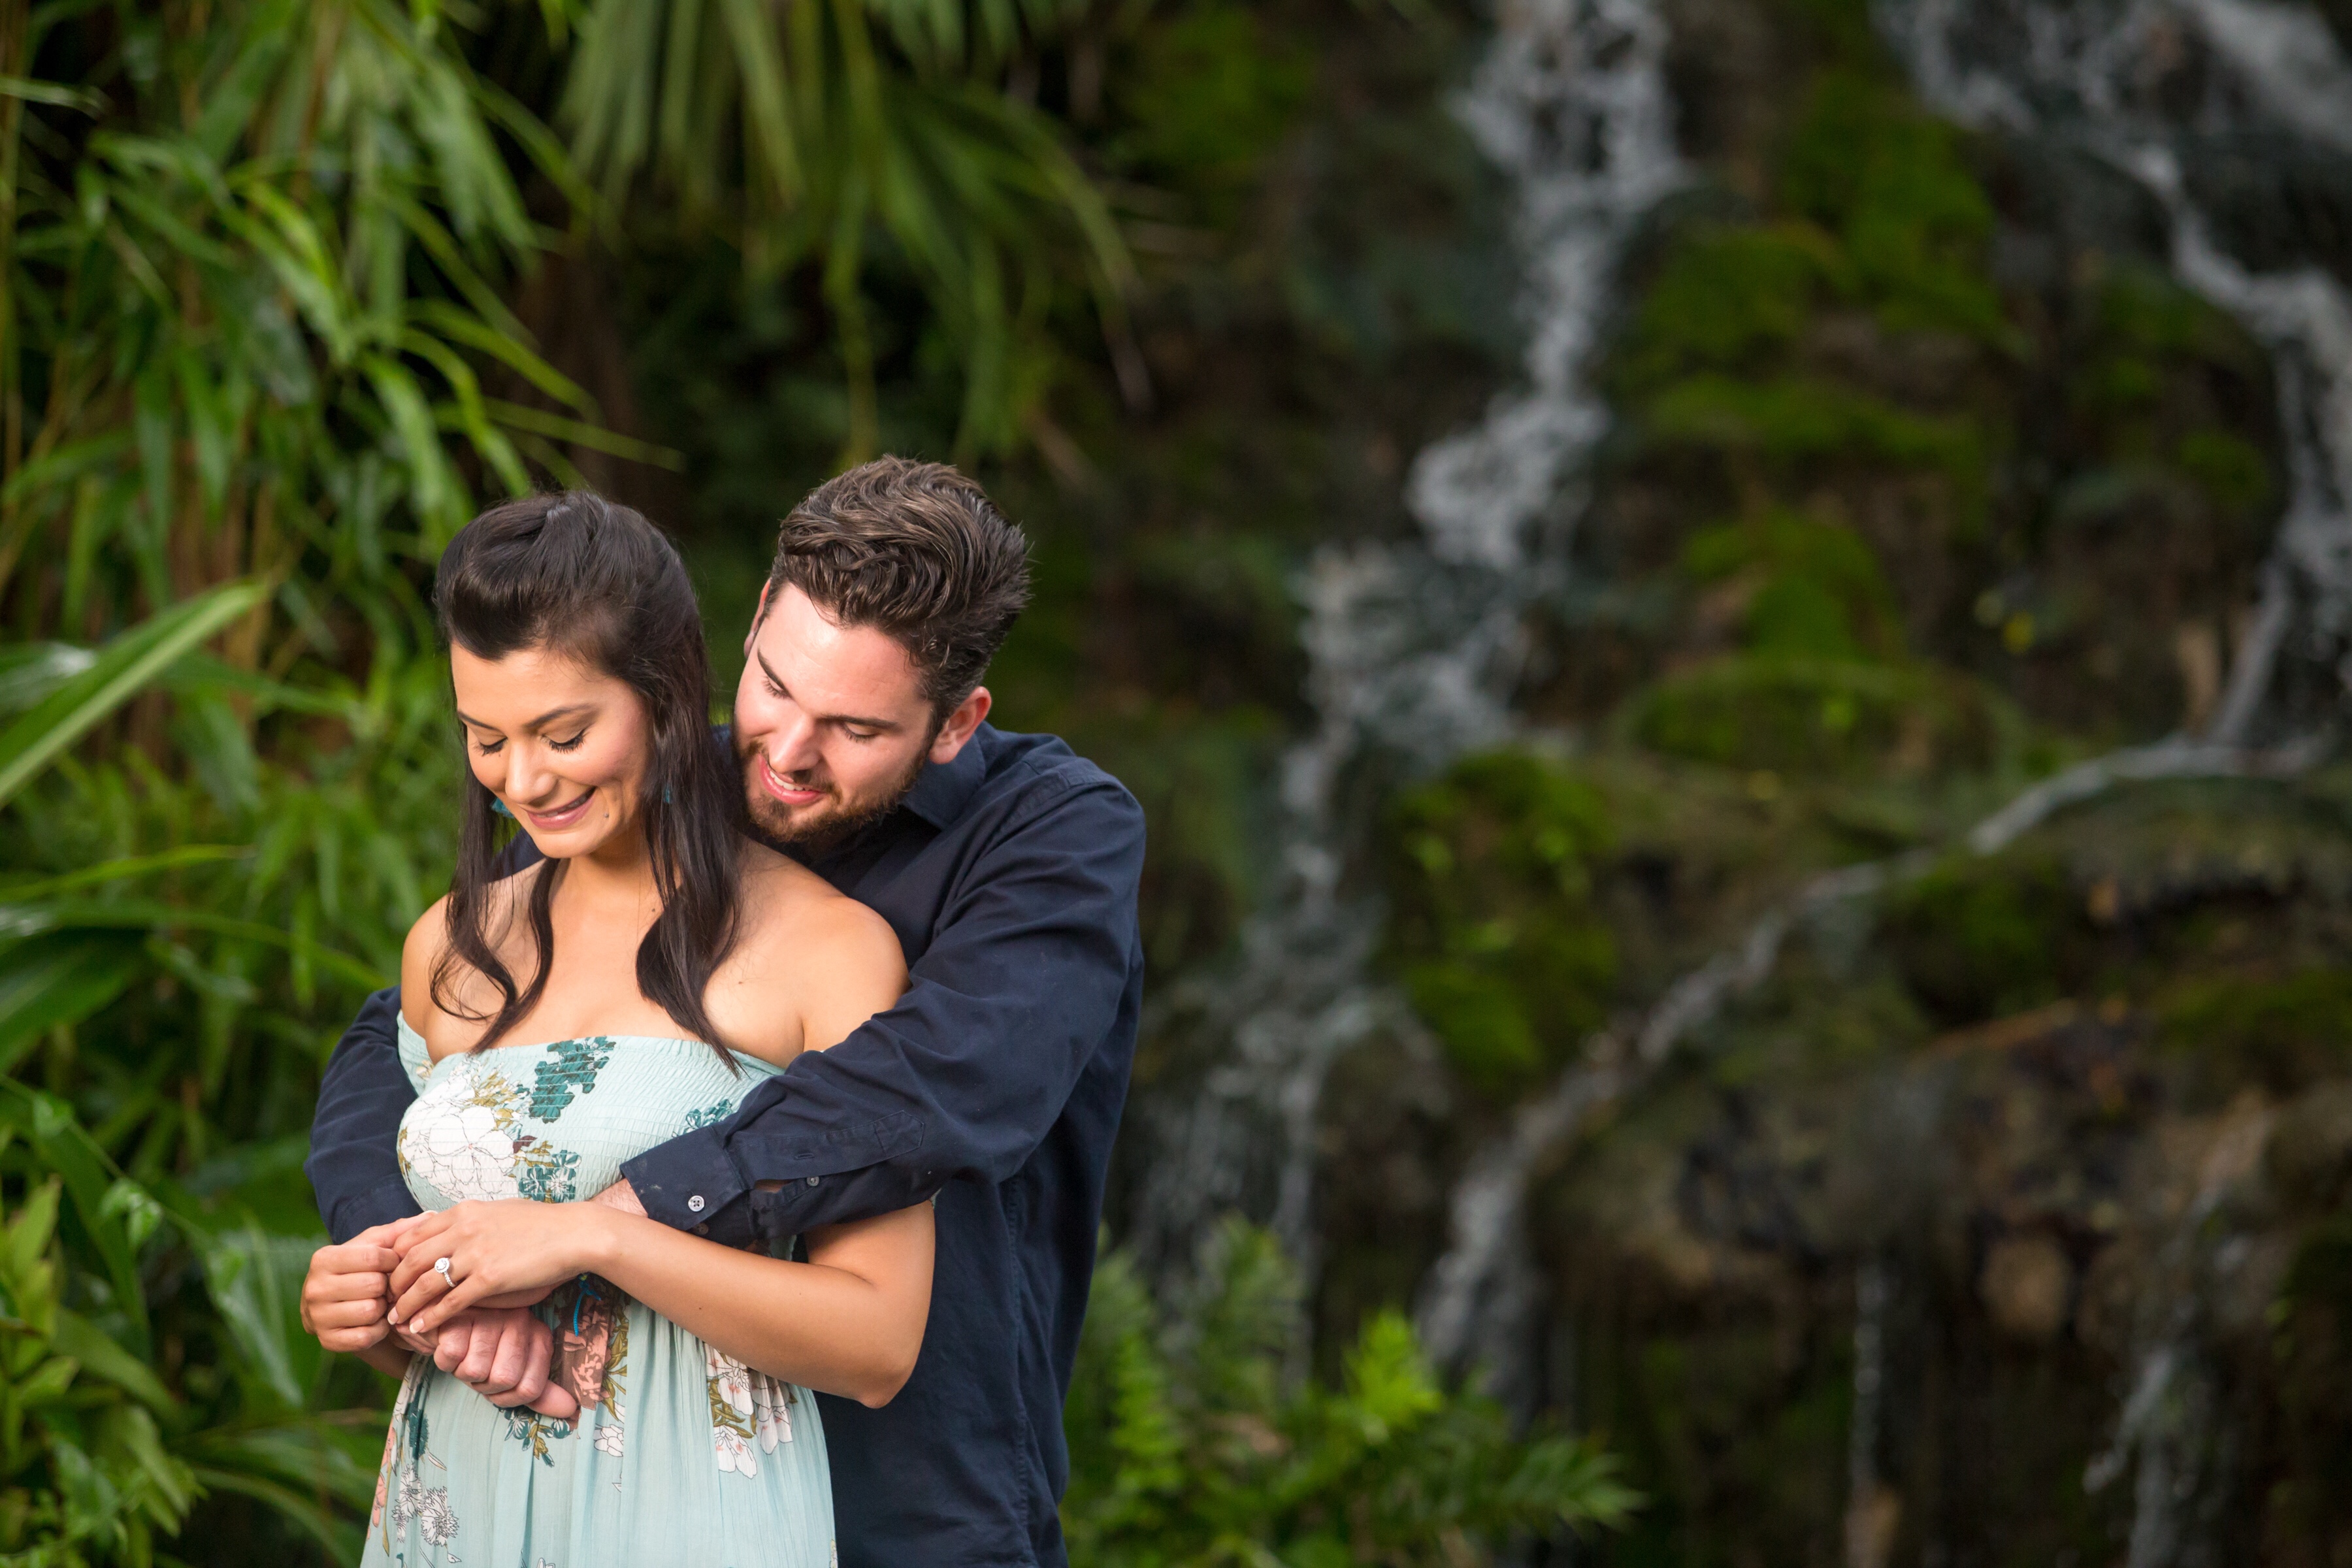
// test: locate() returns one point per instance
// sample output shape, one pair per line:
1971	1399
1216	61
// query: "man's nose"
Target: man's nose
791	745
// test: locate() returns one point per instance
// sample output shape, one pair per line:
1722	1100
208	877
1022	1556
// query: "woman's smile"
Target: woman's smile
562	818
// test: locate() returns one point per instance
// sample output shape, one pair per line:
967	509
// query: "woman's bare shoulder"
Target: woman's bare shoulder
427	944
789	910
420	954
818	952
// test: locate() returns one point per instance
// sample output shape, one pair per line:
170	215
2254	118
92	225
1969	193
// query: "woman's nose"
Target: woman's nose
525	779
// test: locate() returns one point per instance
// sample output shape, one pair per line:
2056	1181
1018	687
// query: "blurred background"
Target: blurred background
1732	616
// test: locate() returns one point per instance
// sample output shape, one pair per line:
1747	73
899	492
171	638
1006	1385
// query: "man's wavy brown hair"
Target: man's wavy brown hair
918	550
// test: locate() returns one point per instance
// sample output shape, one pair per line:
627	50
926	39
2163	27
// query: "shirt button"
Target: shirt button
702	1230
694	1204
812	1181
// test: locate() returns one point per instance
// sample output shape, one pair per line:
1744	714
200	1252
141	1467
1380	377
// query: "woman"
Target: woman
633	984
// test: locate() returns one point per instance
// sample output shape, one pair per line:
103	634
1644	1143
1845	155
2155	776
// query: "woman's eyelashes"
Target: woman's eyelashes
492	748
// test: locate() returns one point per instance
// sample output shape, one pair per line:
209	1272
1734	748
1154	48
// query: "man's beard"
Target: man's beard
815	831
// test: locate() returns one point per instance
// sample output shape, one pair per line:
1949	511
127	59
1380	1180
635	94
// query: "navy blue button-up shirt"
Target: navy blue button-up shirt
996	1083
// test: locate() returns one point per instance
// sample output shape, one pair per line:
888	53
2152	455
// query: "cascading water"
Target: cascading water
2083	79
2078	74
1411	644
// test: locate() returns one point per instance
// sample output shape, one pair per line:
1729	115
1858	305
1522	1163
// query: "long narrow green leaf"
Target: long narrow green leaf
61	977
63	1147
127	664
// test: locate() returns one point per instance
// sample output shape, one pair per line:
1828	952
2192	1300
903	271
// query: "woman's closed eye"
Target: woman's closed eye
569	745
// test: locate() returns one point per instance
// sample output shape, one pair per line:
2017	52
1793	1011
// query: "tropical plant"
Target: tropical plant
860	137
1192	1445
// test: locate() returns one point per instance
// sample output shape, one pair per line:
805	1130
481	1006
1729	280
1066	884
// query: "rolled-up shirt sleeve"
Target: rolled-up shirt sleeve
354	1168
1021	983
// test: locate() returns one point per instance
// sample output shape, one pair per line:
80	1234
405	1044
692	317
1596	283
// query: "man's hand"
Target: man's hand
623	1196
349	1286
505	1356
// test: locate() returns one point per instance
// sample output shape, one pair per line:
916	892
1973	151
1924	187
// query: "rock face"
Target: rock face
2000	1213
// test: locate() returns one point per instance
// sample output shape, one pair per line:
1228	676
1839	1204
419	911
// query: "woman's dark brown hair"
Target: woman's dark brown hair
578	576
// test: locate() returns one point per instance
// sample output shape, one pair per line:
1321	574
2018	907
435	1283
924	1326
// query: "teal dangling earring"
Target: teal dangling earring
500	807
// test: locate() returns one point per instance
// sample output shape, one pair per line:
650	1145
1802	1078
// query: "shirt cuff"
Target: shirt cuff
691	1184
380	1204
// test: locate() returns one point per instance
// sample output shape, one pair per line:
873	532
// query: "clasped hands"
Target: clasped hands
380	1291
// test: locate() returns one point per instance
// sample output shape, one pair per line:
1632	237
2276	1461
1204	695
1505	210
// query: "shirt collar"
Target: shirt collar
943	791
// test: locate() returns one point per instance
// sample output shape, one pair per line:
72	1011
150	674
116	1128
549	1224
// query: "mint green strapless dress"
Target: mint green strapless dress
681	1455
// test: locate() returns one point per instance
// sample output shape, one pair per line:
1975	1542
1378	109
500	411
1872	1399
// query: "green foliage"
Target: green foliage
1975	938
1190	1447
1792	418
1869	166
99	1457
1210	95
1817	591
825	142
2282	1033
2231	470
1502	951
1810	716
1726	299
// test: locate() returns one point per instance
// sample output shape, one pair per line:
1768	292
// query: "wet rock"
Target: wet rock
2027	1286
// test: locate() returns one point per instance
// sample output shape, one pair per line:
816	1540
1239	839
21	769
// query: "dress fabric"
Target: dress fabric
680	1454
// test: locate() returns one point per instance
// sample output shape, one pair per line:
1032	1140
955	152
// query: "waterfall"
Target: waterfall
2068	72
1873	1511
2079	76
1411	644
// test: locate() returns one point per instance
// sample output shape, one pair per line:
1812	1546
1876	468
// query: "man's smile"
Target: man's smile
780	786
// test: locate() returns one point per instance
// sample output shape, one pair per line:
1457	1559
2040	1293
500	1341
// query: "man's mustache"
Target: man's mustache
800	779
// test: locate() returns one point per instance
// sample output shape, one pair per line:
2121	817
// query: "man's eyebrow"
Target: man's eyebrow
850	719
541	722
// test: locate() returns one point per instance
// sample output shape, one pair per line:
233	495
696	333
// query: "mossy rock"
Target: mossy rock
2282	1033
1818	590
1977	938
1814	716
1494	930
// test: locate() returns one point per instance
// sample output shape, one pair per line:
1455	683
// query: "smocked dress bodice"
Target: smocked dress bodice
680	1452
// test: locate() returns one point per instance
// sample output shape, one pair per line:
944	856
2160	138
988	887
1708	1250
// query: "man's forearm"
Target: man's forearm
1017	991
355	1165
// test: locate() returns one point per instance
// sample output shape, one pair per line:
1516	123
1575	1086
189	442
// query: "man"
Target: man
1008	867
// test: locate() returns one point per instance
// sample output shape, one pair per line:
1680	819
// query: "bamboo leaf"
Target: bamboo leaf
127	664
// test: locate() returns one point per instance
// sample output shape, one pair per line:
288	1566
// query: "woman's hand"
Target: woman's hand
499	1250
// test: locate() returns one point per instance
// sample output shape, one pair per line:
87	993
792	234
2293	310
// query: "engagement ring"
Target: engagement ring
441	1267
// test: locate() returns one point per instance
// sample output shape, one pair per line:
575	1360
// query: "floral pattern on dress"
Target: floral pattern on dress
568	1069
592	1322
411	1501
545	1173
730	1382
772	1411
748	1409
531	1490
528	1426
460	1134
